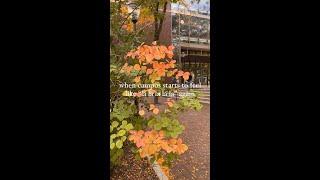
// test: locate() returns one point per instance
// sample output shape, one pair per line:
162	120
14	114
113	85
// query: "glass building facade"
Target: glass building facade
191	37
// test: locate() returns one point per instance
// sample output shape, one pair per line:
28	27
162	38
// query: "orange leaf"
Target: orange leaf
170	55
161	133
143	154
149	58
143	68
172	141
170	104
171	47
149	71
160	161
140	132
161	72
129	54
137	67
152	106
181	148
140	143
129	69
141	58
155	111
186	76
166	147
152	149
163	48
165	170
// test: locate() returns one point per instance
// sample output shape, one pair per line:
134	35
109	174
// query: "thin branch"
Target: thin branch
131	13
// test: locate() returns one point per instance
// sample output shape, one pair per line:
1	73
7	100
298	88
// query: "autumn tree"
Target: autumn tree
152	132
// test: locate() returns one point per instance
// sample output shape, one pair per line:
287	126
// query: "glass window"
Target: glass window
204	28
175	24
194	27
184	25
174	6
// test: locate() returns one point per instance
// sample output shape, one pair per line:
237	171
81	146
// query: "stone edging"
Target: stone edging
157	169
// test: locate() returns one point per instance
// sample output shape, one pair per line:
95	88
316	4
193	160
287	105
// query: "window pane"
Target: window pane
175	25
184	25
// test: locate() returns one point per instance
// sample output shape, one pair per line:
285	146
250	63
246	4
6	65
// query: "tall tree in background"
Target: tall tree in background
159	17
158	9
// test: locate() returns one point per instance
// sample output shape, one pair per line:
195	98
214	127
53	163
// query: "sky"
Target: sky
202	5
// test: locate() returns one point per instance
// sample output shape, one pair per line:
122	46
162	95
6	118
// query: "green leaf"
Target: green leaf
119	144
115	124
165	122
151	122
112	145
129	127
124	122
111	128
134	73
123	138
113	136
152	160
157	127
121	132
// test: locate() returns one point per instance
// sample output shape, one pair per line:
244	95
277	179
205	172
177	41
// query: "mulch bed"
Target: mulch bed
133	169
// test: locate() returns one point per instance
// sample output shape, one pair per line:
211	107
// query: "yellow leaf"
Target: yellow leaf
137	79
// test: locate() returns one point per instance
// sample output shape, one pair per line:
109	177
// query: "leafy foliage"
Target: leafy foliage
155	136
122	110
171	128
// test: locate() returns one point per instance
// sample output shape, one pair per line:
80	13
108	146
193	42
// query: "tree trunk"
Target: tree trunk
157	31
159	20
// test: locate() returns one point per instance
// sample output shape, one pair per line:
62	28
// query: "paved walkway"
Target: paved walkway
195	163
